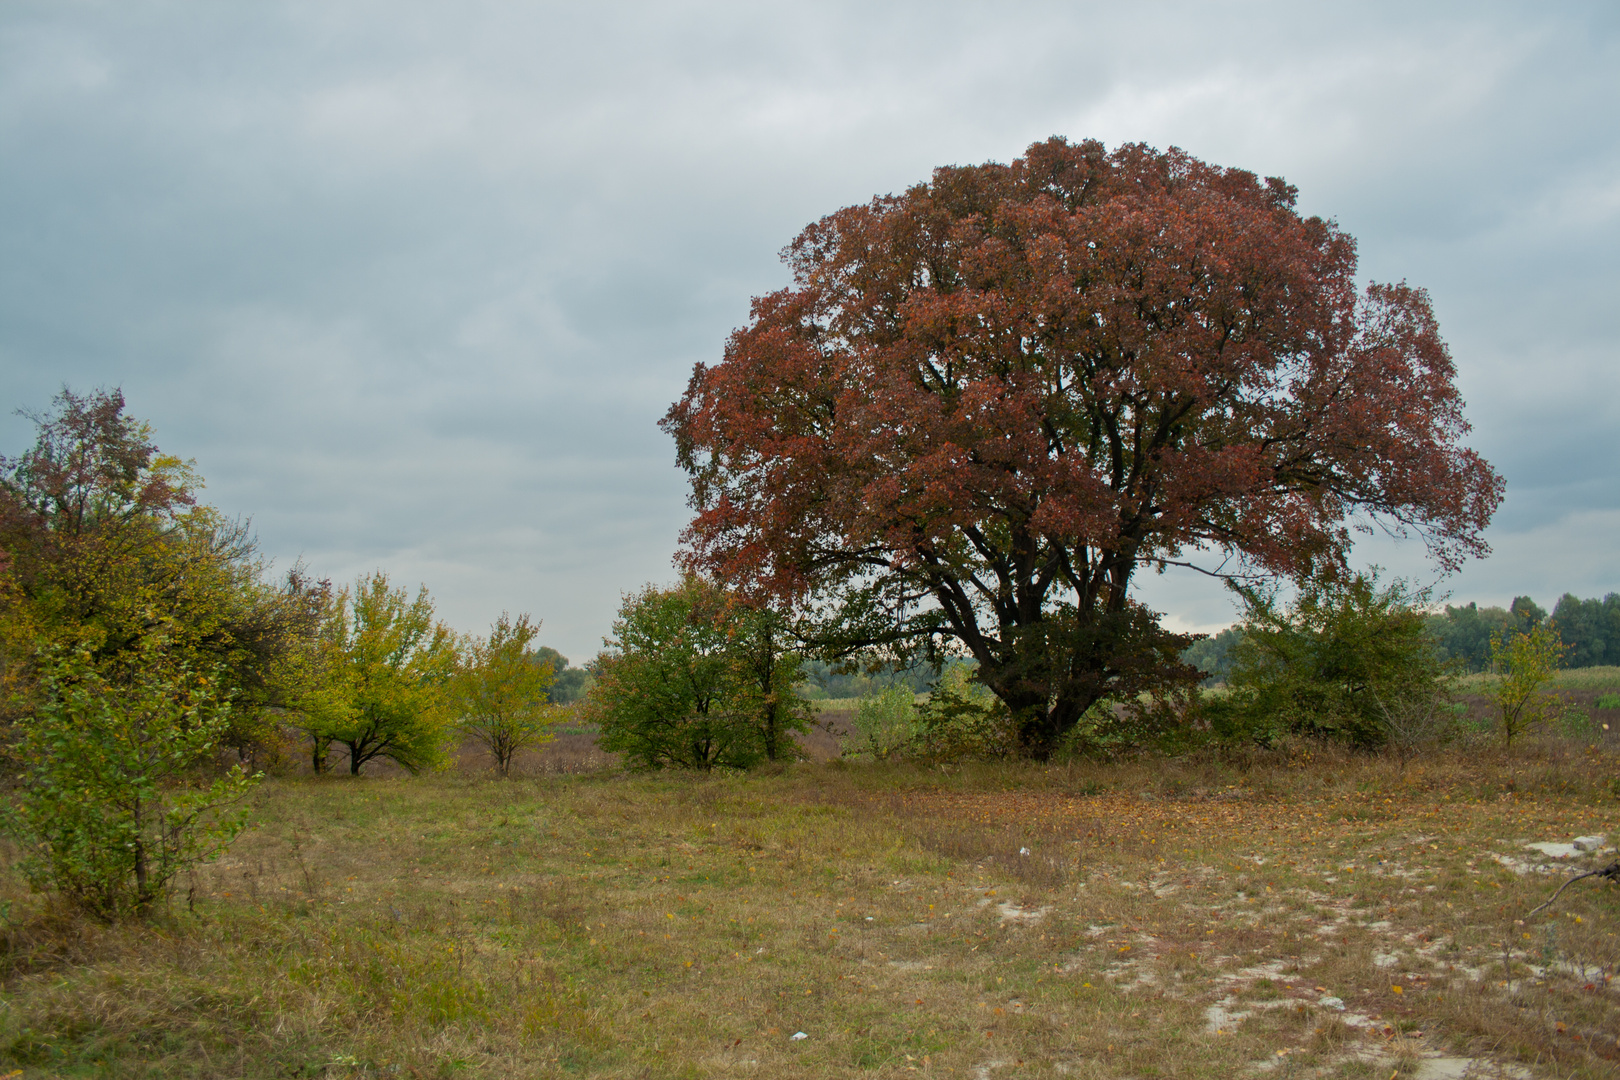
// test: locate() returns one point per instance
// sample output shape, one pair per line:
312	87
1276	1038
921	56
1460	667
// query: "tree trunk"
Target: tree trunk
1038	734
771	729
767	683
142	895
1042	726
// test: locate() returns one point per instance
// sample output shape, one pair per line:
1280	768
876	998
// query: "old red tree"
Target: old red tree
985	403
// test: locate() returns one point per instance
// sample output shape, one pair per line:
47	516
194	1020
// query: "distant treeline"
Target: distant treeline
1589	629
824	681
568	683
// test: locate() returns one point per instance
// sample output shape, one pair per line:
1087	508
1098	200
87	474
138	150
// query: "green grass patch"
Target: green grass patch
1080	920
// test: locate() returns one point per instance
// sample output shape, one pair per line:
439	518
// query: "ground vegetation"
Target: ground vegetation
1192	917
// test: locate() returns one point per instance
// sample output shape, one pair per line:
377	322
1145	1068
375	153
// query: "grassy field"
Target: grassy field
1569	680
1302	912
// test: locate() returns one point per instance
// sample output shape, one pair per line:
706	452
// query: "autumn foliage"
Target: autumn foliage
985	403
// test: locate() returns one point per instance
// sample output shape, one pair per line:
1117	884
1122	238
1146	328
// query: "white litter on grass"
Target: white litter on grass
797	1035
1556	851
1271	969
1459	1068
1221	1020
1521	866
1013	913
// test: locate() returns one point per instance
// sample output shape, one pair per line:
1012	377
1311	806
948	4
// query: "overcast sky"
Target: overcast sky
414	282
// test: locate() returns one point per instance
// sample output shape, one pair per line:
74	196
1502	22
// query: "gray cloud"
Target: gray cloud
413	282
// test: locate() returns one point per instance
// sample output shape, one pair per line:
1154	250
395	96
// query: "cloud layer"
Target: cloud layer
413	282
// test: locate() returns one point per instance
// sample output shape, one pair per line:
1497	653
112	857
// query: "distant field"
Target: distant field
837	704
848	704
1589	678
1303	913
1570	679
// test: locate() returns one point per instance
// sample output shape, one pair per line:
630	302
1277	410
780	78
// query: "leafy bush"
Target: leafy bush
1608	701
1110	729
964	719
1416	719
885	724
1348	660
110	808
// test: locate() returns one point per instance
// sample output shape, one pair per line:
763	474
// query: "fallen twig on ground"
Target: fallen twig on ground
1612	872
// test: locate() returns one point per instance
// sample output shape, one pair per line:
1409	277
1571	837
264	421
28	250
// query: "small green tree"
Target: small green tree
1322	665
687	681
110	804
500	692
390	666
1526	662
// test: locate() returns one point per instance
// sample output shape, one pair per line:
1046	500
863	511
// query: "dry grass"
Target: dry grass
1182	919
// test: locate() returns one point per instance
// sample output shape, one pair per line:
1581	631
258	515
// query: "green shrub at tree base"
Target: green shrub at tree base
109	806
1348	661
884	725
964	719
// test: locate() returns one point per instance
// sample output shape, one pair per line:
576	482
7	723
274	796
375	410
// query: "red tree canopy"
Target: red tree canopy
985	402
